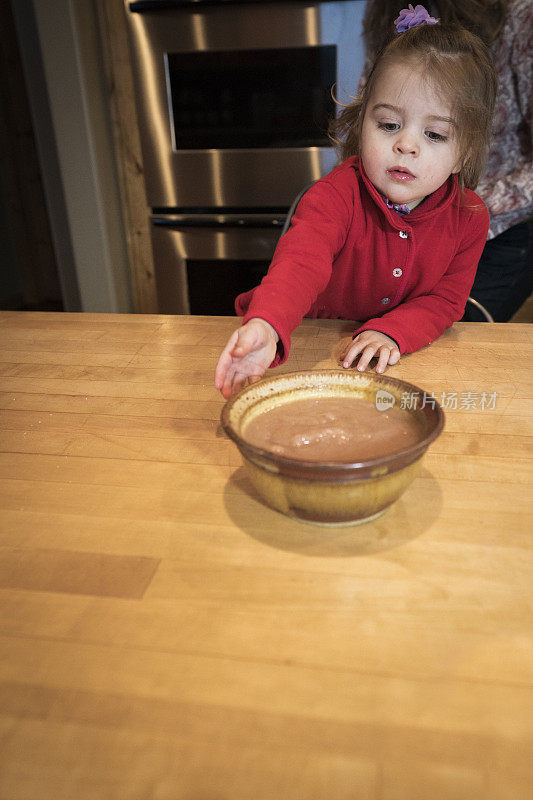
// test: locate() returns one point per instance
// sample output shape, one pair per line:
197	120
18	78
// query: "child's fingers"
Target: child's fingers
366	357
394	356
350	355
366	352
386	355
224	362
384	359
233	384
241	342
234	380
237	378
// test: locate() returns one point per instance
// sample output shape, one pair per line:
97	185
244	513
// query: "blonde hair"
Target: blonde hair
459	65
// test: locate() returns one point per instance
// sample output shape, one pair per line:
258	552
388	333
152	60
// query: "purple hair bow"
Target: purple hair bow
411	17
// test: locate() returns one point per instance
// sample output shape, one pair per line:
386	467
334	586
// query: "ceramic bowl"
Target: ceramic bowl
331	493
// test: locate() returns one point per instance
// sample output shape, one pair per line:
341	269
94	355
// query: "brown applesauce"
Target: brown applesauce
332	429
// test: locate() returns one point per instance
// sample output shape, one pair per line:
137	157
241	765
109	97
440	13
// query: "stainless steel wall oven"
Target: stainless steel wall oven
234	99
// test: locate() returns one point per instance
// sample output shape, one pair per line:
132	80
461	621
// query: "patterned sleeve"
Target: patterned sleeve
503	193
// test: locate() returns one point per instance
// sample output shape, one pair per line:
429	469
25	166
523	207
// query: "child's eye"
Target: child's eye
436	137
388	126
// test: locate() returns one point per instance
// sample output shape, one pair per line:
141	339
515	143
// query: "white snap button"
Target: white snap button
404	234
397	272
385	300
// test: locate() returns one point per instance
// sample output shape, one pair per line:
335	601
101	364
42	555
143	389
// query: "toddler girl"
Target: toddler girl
393	234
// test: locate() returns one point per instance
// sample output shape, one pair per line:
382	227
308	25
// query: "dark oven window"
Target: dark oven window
251	98
214	284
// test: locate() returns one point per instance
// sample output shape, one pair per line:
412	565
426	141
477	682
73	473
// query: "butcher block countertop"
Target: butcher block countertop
165	636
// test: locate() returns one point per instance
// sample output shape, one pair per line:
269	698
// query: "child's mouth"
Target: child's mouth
400	174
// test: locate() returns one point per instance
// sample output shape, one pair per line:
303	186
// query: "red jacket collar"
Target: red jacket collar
434	203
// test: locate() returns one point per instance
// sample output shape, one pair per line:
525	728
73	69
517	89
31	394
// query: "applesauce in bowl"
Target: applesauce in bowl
327	429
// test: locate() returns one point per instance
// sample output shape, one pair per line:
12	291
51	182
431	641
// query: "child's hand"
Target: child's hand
249	352
370	344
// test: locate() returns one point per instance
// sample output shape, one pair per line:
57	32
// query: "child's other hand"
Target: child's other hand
248	354
370	344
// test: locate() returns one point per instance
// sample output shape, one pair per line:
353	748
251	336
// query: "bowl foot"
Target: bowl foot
343	524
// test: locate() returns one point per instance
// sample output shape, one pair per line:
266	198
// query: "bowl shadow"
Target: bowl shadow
400	524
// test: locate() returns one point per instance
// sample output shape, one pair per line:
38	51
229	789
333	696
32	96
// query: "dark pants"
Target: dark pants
504	278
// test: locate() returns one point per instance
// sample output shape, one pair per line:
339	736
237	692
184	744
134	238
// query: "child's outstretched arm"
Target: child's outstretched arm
248	354
370	344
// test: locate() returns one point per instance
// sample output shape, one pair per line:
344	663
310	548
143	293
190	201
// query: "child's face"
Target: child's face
408	143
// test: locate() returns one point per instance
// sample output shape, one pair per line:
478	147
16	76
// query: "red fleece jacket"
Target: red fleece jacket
348	256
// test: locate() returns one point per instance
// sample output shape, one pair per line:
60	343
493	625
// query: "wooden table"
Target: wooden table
165	636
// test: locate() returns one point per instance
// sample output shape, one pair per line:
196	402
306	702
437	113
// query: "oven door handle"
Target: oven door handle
142	6
219	221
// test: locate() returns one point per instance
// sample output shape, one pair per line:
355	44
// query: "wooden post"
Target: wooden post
120	91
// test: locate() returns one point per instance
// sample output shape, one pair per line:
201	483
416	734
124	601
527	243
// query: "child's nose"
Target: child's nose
406	144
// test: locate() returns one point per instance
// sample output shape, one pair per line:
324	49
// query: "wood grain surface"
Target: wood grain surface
165	636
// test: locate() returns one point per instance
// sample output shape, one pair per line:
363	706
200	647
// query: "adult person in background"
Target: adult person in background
504	278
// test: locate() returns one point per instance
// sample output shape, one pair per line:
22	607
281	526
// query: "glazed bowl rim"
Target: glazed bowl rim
404	457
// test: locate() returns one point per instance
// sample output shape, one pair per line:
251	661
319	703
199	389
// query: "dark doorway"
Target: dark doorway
28	269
